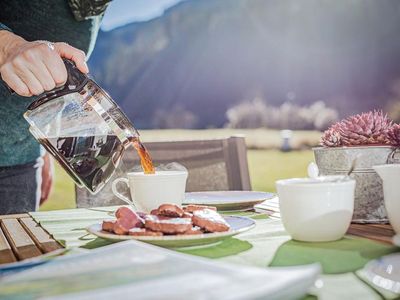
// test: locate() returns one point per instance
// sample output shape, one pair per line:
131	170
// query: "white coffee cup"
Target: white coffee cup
390	175
316	210
149	191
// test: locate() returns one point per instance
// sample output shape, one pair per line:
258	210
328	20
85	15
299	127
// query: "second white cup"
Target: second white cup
316	210
149	191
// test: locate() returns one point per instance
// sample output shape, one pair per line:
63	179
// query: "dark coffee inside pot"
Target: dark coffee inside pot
93	158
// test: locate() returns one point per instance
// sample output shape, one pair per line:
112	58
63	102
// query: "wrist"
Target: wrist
8	42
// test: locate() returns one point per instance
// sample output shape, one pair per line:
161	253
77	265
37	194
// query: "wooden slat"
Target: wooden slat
377	232
235	157
42	239
16	216
21	244
6	254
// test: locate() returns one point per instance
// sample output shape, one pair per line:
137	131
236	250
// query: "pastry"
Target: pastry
108	225
190	208
168	225
143	232
209	220
170	210
193	230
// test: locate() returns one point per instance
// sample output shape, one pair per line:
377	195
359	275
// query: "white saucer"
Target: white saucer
384	272
228	200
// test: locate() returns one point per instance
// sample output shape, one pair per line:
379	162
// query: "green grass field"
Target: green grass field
266	165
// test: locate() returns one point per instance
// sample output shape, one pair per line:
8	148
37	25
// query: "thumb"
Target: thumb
74	54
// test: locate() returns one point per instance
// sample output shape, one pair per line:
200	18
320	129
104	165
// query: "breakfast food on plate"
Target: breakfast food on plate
122	226
131	218
154	212
190	208
128	214
143	232
108	225
187	215
126	219
141	214
170	210
168	225
193	230
209	220
167	219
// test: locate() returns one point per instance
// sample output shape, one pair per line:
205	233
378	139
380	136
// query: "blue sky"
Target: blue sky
121	12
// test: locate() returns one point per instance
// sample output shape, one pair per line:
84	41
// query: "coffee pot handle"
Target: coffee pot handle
71	69
76	80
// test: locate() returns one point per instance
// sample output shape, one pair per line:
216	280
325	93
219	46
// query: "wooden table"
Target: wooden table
21	237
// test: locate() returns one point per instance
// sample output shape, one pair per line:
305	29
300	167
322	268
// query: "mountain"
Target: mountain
204	56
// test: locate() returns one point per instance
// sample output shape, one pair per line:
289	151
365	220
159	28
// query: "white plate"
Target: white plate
228	200
396	240
238	225
384	272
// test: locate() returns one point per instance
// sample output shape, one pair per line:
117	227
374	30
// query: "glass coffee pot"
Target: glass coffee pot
83	128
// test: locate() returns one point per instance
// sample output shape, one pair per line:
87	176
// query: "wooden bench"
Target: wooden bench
21	238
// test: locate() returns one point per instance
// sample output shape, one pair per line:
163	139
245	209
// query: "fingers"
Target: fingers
76	55
34	67
57	69
42	74
14	82
30	80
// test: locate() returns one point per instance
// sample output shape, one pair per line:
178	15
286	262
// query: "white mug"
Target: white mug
390	175
149	191
316	210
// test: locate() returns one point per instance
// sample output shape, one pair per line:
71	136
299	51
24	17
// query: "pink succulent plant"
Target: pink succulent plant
369	128
394	135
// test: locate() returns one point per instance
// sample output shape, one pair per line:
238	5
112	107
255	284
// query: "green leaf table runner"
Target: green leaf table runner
268	244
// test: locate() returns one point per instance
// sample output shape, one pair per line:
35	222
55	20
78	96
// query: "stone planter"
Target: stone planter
369	205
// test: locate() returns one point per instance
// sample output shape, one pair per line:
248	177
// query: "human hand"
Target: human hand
47	178
30	68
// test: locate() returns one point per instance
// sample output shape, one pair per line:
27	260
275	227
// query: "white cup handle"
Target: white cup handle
118	194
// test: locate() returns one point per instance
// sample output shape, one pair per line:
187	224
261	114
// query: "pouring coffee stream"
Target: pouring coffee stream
85	130
145	158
